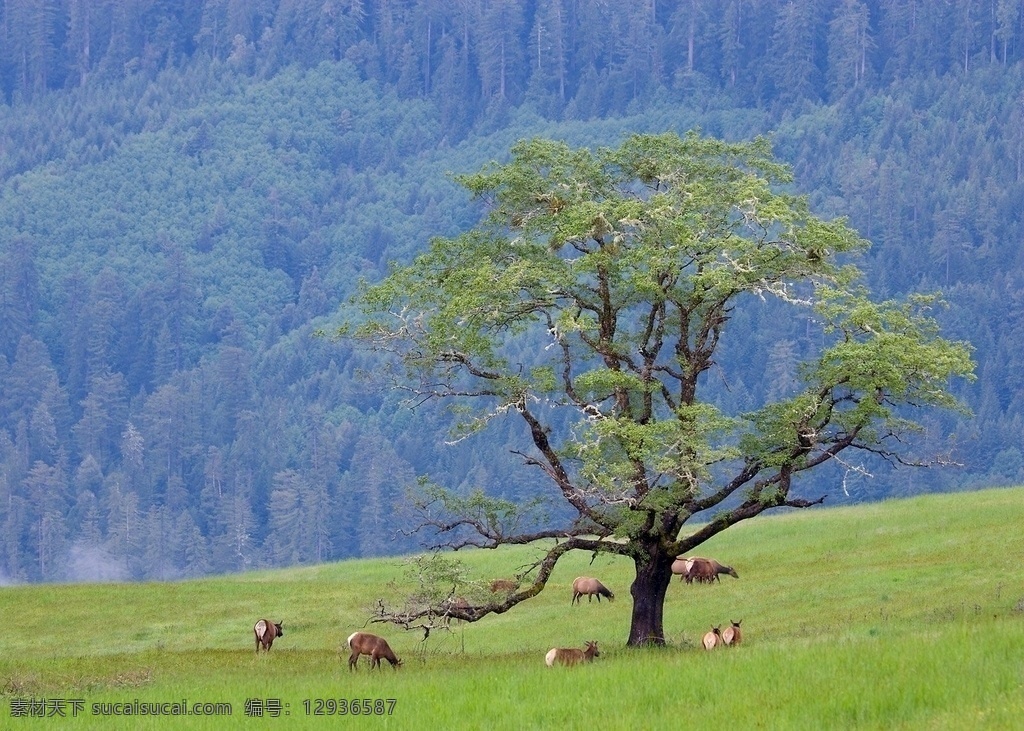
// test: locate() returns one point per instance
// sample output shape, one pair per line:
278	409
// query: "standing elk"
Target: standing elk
459	602
591	587
706	571
455	606
681	566
363	643
266	632
712	639
733	635
570	655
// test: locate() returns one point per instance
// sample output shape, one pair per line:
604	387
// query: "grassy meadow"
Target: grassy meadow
906	614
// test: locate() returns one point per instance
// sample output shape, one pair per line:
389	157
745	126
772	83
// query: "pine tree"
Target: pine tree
500	49
792	64
849	46
19	294
285	519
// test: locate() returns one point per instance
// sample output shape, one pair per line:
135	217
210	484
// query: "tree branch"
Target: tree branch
439	613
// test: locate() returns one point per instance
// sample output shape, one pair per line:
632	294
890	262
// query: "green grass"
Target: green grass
900	615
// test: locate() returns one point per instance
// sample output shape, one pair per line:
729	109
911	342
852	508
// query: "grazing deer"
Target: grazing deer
570	655
706	571
591	587
363	643
266	632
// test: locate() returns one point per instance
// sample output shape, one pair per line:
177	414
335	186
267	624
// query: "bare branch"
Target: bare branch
441	611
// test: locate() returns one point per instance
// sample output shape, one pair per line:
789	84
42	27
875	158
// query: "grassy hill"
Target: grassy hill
904	614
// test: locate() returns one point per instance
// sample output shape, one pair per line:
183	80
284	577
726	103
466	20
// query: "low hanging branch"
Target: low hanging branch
421	611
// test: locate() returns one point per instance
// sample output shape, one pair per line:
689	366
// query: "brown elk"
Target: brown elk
706	571
503	585
570	655
712	639
363	643
681	566
458	605
733	635
266	632
591	587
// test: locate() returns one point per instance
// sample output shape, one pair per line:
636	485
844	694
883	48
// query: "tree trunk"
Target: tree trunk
653	575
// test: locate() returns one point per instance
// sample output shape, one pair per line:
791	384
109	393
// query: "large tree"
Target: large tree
590	303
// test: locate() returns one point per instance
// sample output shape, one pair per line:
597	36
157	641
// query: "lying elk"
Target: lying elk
266	632
363	643
706	571
591	587
570	655
503	585
733	635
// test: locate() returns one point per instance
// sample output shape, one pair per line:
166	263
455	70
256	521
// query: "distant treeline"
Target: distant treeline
188	190
581	58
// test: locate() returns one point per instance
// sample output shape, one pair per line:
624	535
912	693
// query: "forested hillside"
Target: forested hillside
188	190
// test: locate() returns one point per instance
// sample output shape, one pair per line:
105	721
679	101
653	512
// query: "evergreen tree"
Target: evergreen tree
793	67
1007	22
191	553
47	491
104	412
29	377
548	48
849	47
500	49
19	294
286	519
125	529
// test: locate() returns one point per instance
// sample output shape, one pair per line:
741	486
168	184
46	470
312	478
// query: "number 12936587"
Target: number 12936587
349	706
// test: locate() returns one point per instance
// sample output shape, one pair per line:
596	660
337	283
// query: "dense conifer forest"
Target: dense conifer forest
190	190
